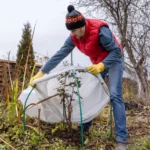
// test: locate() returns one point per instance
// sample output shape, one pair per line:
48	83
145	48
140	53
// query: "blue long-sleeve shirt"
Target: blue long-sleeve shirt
106	40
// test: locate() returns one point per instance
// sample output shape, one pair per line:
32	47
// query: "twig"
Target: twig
33	128
39	110
7	143
9	69
34	104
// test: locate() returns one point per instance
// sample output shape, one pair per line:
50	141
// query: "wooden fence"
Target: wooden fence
7	70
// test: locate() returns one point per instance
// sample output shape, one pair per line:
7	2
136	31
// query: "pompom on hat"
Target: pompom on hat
74	19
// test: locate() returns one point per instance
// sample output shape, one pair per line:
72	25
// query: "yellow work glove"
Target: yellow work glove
96	69
38	75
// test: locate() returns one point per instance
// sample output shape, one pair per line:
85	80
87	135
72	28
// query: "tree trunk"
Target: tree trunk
139	74
142	83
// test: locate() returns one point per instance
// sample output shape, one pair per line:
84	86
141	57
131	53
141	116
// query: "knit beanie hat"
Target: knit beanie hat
74	19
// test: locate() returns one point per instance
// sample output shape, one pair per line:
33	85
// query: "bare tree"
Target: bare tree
130	20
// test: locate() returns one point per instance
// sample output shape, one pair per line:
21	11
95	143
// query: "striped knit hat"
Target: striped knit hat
74	19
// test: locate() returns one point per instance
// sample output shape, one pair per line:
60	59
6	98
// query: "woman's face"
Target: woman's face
78	33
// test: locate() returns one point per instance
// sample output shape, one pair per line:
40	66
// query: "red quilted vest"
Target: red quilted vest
90	44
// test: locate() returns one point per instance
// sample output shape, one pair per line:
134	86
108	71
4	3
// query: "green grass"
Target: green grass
57	137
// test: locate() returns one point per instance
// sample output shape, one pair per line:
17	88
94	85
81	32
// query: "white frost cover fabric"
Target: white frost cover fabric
93	92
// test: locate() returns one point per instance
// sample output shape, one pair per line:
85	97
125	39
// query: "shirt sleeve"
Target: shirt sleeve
109	44
64	51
